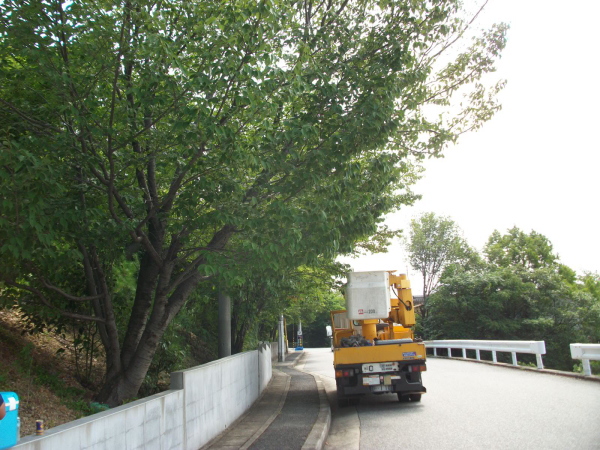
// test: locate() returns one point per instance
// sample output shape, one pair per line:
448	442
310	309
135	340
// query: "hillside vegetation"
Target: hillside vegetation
39	368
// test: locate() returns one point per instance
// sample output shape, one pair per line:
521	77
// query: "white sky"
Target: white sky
535	164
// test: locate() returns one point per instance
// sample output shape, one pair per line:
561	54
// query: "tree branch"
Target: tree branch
68	296
460	34
31	120
46	302
109	147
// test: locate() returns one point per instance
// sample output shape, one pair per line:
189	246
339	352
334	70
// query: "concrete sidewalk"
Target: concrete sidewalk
292	414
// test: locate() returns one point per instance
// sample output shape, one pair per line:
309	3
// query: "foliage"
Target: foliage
434	244
378	242
314	333
157	133
519	299
300	294
532	251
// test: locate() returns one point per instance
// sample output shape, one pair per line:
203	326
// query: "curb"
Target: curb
291	363
320	430
273	416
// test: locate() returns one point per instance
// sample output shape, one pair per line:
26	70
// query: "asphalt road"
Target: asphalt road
468	406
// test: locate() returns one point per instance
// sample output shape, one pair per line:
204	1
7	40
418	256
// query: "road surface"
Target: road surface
467	406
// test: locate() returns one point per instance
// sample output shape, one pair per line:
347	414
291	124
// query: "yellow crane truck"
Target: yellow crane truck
374	349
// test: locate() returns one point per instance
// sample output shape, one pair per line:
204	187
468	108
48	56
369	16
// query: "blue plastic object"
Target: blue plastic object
9	426
300	344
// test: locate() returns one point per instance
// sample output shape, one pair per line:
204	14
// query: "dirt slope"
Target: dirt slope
30	364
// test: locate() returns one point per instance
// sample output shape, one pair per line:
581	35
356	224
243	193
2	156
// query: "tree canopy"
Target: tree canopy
189	136
516	247
522	292
434	243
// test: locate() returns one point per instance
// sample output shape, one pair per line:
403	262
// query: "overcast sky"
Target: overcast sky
535	164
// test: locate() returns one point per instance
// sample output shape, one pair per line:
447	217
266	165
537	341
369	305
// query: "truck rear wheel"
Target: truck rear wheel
353	401
343	402
403	398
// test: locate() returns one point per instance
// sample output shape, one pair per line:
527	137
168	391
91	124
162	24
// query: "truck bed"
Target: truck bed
378	353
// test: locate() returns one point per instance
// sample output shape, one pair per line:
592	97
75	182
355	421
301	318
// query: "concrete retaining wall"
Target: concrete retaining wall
202	402
216	394
265	358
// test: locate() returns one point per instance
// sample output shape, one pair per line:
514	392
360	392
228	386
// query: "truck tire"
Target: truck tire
342	402
353	401
403	398
415	397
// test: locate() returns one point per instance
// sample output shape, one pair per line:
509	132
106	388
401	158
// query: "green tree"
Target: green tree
521	294
516	247
489	304
314	331
434	244
160	132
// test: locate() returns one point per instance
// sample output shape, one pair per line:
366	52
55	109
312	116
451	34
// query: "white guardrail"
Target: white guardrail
538	348
585	352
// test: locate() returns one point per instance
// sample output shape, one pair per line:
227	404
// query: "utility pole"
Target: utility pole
224	325
300	341
281	341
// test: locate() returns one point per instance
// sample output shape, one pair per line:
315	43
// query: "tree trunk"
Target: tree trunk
124	384
425	296
117	389
124	379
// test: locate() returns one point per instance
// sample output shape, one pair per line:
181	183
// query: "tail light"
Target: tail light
417	368
344	373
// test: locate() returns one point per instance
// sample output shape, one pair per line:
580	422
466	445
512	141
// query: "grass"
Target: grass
72	397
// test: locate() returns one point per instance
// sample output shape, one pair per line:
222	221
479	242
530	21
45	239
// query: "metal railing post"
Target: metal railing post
540	364
587	369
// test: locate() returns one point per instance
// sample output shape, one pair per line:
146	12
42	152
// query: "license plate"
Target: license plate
371	380
380	367
381	388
